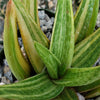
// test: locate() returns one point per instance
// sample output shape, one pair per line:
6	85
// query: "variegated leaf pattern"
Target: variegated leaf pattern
62	41
88	87
17	63
87	52
79	76
39	87
85	19
32	8
30	32
67	94
49	59
93	93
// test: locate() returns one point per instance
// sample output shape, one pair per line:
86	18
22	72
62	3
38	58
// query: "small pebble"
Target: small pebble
98	20
41	15
44	28
5	80
8	74
80	96
50	4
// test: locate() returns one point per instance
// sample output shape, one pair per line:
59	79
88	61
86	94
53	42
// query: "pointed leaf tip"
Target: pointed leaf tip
49	60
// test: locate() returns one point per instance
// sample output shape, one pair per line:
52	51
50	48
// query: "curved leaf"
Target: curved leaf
85	19
32	8
93	93
38	87
79	76
88	87
62	41
88	51
49	60
17	63
30	32
67	94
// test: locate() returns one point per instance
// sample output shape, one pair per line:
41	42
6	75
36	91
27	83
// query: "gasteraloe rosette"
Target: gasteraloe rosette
67	62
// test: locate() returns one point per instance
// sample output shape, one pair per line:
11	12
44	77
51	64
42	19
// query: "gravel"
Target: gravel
46	24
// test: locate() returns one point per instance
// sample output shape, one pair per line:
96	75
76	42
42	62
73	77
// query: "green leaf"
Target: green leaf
49	60
79	76
93	93
32	8
89	87
30	32
38	87
17	63
88	51
67	94
62	41
85	19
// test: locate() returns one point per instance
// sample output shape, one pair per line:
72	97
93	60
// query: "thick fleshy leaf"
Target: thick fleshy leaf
30	32
88	87
38	87
49	60
17	63
85	19
79	76
62	41
32	8
87	52
67	94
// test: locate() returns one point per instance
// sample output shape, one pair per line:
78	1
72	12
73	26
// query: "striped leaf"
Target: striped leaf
32	8
85	19
79	76
89	87
49	60
87	52
67	94
93	93
62	41
17	63
38	87
30	32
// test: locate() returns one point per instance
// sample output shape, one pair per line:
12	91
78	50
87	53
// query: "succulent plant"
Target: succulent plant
63	65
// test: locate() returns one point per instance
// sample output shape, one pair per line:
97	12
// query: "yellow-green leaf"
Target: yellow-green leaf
38	87
31	6
62	41
30	32
85	19
88	51
49	59
79	76
17	63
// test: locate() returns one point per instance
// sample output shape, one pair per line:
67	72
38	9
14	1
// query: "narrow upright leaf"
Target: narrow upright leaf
79	76
32	8
85	19
17	63
49	60
67	94
30	32
38	87
62	41
87	52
